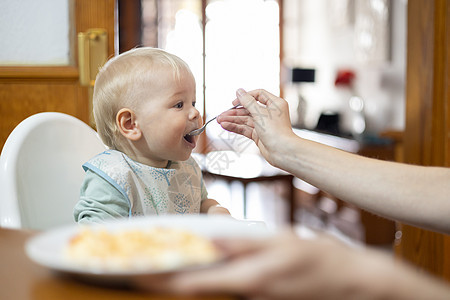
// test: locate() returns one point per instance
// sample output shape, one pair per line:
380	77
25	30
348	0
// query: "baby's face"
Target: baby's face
166	117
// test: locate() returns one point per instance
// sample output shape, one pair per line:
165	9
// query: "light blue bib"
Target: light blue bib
175	190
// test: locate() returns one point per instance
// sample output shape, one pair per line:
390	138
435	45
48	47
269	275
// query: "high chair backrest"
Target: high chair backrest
41	170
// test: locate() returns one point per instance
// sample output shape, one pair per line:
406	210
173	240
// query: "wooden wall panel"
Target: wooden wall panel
20	100
427	131
26	90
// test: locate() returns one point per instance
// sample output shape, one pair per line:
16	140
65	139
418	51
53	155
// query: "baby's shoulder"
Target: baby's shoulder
110	158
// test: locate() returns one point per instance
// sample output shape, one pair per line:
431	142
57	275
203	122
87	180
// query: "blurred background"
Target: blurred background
339	64
342	66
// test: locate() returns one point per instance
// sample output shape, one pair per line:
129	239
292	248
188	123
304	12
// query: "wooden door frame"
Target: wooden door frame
427	130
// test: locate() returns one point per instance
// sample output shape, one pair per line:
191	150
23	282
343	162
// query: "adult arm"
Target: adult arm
412	194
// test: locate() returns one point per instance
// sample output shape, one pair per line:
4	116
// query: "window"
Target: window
241	44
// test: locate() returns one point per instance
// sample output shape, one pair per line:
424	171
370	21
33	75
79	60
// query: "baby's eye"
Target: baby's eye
179	105
193	103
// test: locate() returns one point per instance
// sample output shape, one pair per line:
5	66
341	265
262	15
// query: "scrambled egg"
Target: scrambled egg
156	249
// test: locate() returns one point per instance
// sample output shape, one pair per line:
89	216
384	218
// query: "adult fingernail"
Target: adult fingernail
241	92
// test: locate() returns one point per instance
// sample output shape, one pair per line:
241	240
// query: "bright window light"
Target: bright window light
242	51
242	48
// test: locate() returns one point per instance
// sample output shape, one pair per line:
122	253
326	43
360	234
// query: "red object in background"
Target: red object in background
345	78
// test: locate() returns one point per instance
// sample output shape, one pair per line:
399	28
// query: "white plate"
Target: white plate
47	248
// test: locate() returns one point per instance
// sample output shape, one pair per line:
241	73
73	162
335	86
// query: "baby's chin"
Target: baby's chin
183	157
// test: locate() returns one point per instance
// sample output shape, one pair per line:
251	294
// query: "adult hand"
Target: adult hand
264	118
287	267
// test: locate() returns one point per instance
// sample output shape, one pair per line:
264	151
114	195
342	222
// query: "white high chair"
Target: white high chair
41	170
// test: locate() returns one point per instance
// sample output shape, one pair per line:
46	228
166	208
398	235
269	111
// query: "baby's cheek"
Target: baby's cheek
172	138
177	131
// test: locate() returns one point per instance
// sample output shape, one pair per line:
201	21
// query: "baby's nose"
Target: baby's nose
194	114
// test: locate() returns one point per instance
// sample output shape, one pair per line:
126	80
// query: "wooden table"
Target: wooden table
22	279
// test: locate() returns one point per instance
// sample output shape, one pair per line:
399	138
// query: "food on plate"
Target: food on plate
157	249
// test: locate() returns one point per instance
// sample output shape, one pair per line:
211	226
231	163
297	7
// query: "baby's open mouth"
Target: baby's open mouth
189	138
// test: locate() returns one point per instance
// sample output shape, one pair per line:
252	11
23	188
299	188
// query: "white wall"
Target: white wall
318	34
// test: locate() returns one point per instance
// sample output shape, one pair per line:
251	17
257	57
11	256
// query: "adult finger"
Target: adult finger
248	101
259	113
263	96
239	246
244	130
240	111
238	120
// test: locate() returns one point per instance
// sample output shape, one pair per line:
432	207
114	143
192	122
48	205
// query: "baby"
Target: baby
144	107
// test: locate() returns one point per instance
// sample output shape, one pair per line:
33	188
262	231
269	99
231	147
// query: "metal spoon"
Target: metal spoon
201	129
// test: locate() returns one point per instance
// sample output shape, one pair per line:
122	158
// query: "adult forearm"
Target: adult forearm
412	194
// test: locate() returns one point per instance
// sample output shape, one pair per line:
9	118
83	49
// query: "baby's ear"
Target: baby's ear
127	124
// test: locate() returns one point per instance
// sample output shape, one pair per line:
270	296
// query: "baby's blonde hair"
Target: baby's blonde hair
120	83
